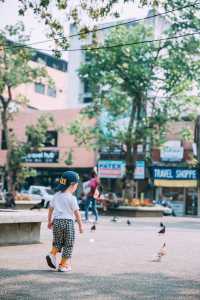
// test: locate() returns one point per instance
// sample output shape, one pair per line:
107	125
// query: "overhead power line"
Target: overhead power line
134	43
139	19
119	45
118	24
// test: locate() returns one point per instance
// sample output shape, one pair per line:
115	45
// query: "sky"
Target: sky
38	31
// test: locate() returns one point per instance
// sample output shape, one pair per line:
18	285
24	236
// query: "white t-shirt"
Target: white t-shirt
64	205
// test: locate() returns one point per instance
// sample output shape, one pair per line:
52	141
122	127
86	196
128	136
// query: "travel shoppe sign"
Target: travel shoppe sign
174	177
172	173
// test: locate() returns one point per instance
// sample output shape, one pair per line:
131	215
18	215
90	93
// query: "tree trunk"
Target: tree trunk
131	147
129	183
8	169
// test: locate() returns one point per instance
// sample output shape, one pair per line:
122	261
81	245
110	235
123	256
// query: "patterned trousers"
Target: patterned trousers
64	236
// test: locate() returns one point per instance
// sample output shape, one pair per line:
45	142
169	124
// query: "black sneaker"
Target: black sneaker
51	261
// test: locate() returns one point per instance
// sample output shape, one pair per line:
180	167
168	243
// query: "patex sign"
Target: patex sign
111	168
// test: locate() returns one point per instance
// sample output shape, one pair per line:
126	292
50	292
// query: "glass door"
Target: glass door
191	202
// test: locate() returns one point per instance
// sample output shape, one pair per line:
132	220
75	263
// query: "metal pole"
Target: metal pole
198	189
197	141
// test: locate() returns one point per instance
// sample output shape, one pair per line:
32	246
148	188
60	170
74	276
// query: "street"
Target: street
114	262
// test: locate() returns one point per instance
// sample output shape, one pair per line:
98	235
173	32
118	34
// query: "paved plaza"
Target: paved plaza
113	263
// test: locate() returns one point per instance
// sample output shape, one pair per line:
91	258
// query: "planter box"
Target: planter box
129	211
19	227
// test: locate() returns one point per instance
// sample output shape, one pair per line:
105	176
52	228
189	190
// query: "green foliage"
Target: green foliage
187	135
16	69
69	160
36	136
88	9
95	11
84	134
23	174
19	172
120	81
138	89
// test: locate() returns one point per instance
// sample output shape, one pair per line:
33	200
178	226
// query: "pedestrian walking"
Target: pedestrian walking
92	193
62	212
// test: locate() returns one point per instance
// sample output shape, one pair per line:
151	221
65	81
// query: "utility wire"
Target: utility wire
119	24
118	45
134	43
138	20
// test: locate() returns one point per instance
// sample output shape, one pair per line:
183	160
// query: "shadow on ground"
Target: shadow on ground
42	284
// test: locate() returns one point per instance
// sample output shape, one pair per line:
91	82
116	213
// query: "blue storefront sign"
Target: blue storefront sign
111	168
173	173
139	169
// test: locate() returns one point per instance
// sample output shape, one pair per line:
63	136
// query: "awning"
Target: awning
175	183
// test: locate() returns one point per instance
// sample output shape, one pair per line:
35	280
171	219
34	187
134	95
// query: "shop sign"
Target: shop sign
174	173
111	168
139	169
140	149
42	157
172	151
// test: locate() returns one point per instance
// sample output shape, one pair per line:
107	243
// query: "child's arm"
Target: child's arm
50	212
79	220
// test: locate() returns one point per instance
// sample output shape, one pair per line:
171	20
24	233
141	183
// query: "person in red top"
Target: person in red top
93	184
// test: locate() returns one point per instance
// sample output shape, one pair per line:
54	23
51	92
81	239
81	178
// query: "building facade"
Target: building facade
79	93
174	173
40	94
52	160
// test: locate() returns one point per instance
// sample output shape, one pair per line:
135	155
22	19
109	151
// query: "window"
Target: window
86	86
51	139
41	61
50	61
36	191
51	91
49	191
87	57
87	99
39	88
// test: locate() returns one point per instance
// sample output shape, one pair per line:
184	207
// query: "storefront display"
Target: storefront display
178	185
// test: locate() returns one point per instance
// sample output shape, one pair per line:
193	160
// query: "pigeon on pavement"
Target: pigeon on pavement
160	254
38	205
93	228
128	222
163	229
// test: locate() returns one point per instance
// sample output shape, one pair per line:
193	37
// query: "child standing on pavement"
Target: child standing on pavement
62	211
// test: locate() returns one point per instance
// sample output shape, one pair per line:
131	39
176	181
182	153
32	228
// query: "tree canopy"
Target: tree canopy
138	88
16	68
74	11
35	140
